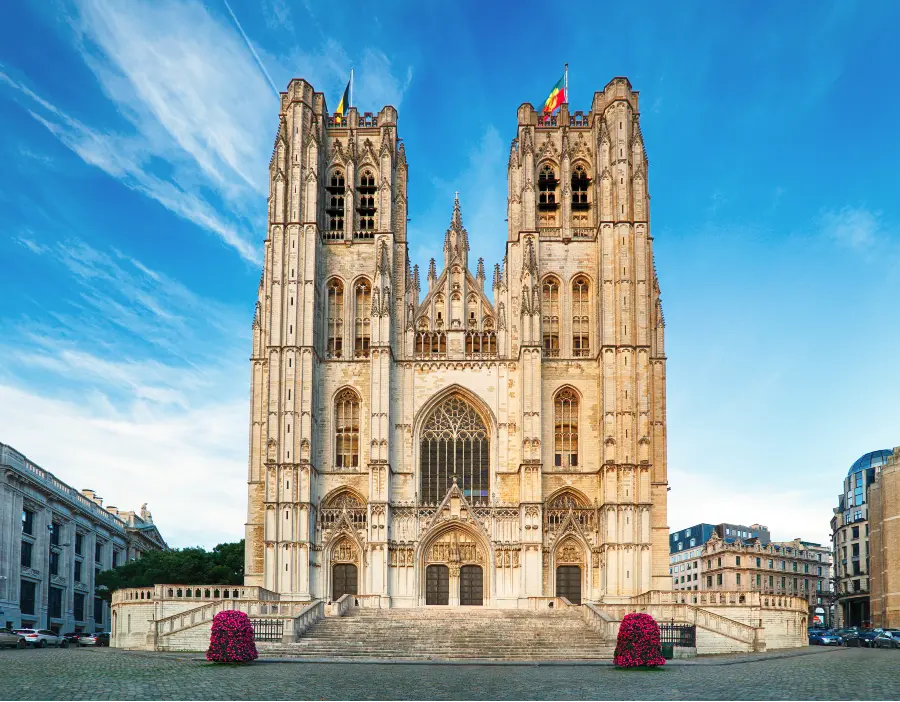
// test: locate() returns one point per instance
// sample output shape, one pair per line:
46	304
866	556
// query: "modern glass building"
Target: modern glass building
850	540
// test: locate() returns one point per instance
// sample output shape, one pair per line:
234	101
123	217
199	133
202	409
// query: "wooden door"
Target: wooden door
437	585
568	583
471	585
343	580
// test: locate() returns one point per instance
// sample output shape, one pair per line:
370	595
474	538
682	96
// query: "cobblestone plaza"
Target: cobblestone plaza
107	674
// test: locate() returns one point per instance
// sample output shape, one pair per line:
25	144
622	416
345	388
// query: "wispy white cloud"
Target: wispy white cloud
144	384
854	227
29	243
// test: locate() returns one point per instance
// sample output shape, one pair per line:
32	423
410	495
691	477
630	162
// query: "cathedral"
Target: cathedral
467	435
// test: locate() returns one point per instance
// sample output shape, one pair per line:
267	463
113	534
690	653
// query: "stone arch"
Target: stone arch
334	497
442	535
571	551
567	497
343	547
483	412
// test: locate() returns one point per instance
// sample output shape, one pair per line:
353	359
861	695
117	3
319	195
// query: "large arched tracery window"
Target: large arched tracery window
346	429
454	445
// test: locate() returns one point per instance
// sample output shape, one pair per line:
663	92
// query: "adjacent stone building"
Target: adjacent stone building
458	437
54	540
736	557
884	543
850	539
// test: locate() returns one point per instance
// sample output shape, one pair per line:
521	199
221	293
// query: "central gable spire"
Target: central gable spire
456	240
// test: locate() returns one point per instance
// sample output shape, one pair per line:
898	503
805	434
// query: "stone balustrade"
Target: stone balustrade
196	593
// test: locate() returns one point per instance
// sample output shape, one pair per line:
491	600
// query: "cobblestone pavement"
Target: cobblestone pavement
78	674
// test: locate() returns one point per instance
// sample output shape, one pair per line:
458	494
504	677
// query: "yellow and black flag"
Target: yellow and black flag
344	104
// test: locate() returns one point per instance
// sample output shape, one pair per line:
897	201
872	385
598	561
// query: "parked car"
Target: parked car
10	639
72	637
825	638
100	638
40	638
867	637
889	638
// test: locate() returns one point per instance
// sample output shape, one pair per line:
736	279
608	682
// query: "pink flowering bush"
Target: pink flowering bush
638	643
231	640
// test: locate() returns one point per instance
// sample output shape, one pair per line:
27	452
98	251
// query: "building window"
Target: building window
363	323
480	344
580	189
366	207
737	578
855	532
719	563
857	515
566	428
454	449
78	568
78	607
708	581
550	314
687	532
581	320
98	552
28	522
55	529
54	563
794	566
547	185
115	560
54	602
431	343
346	429
758	580
335	317
737	560
79	544
27	549
771	563
771	581
693	542
759	562
335	208
719	579
26	596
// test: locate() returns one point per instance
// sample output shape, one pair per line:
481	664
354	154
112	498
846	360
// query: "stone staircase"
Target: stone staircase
460	633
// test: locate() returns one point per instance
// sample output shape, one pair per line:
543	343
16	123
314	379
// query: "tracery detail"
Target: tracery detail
454	447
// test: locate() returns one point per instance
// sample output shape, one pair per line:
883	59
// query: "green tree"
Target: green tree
224	565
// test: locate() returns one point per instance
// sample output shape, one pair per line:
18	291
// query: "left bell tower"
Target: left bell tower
280	524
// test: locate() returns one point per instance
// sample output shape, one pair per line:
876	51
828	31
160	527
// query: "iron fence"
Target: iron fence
267	629
681	635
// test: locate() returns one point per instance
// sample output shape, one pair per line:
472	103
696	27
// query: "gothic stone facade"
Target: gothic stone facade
448	443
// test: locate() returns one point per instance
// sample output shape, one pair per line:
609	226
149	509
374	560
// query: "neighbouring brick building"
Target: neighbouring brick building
54	541
850	540
884	544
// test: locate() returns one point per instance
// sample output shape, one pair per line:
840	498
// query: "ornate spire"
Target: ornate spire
415	279
432	275
479	276
456	241
496	276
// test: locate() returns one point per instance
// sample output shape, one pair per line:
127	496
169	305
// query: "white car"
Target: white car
40	638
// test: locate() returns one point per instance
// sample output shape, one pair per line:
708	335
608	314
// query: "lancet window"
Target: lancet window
335	318
366	208
550	315
335	208
430	343
547	188
363	322
580	188
346	429
565	439
581	320
454	448
481	344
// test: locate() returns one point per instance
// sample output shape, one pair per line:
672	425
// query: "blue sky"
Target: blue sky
132	215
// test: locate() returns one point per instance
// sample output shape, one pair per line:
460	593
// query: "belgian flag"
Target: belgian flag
344	104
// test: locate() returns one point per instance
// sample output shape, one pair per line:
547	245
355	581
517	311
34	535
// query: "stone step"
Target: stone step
463	633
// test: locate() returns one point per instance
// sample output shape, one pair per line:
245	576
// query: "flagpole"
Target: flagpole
351	88
567	83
